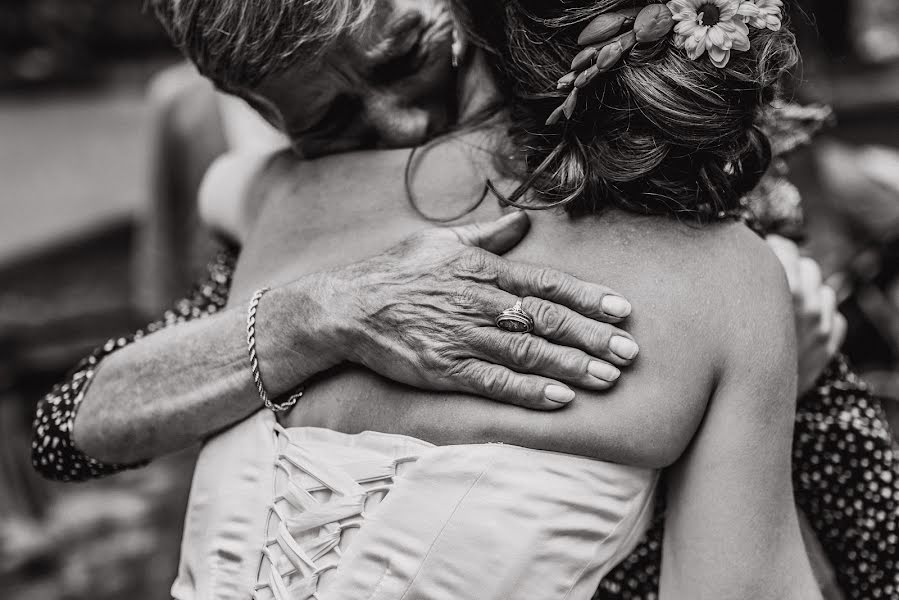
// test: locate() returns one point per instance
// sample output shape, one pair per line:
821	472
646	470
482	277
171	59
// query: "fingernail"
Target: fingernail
623	347
615	306
559	394
603	371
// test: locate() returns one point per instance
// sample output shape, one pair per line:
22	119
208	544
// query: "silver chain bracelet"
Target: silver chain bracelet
254	361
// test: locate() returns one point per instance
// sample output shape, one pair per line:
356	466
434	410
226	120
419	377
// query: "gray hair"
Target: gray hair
238	43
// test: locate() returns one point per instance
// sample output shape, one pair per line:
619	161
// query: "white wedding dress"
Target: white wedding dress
306	513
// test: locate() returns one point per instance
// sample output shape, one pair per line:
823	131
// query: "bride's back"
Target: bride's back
694	290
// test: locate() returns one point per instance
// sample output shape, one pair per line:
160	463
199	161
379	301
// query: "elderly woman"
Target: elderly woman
289	103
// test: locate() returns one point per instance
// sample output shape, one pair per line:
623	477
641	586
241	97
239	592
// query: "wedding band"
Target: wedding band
515	320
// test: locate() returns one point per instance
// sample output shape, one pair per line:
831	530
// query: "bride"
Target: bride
644	151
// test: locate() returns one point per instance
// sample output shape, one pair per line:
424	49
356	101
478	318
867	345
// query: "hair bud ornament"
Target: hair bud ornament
699	26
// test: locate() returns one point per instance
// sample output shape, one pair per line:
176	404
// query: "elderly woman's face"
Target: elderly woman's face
391	86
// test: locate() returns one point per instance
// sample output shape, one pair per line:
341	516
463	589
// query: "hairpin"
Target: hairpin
716	26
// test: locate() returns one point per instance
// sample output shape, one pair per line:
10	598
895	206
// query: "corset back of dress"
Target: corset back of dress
302	513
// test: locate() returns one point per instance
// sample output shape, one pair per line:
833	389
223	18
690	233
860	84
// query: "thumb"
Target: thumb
497	236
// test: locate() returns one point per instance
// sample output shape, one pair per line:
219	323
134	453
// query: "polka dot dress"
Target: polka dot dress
53	450
845	465
846	475
846	480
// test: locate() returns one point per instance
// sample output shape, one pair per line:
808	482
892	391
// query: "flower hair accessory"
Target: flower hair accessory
699	26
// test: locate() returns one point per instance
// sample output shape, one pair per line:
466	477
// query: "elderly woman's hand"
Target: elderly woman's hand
423	314
820	328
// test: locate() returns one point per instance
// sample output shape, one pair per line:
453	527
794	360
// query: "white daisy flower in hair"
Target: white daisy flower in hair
715	26
763	14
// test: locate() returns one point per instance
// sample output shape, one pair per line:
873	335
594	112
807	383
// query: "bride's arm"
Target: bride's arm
731	526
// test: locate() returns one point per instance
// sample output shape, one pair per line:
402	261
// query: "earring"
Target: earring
457	48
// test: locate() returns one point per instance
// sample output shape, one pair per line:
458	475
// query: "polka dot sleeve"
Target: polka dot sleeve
846	478
846	481
53	450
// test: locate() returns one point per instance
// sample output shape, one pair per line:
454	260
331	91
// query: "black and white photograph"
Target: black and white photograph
449	300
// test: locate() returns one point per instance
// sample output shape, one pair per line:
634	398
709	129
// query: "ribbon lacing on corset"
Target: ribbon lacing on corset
307	518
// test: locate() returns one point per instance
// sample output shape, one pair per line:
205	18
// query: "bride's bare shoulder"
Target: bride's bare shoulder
727	258
737	266
720	273
710	299
690	262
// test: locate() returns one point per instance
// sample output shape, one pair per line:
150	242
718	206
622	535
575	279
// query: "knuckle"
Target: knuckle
495	382
455	362
473	261
548	282
526	350
550	317
481	338
465	370
440	352
466	296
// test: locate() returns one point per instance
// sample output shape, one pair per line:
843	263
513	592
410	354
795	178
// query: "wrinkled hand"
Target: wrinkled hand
820	328
423	314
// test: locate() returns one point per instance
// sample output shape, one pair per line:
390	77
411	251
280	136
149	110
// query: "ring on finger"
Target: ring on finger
515	319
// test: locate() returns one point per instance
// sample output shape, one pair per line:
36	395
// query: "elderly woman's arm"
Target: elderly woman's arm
397	313
54	452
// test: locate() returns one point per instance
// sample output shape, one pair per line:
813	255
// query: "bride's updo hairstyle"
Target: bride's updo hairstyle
659	133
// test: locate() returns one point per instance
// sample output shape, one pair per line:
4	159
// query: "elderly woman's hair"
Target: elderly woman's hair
238	43
660	134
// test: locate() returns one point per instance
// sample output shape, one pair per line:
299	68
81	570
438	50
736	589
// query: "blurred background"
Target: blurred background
104	136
